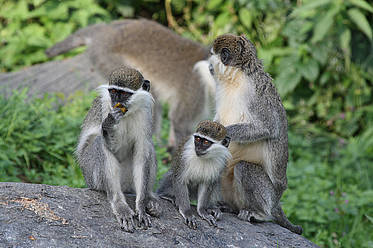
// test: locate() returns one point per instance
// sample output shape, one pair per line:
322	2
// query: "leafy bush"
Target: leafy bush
38	138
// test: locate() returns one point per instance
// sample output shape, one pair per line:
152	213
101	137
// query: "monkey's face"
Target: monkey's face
210	135
122	96
209	148
229	53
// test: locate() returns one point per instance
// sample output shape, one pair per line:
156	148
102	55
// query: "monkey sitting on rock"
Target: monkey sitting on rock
195	173
115	149
248	104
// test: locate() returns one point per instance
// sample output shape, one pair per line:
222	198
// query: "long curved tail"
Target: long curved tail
79	38
281	219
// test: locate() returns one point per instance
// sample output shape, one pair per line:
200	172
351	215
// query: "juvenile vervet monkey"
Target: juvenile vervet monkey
115	149
172	63
195	173
248	104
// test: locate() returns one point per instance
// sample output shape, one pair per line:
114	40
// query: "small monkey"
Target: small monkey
248	104
176	67
115	149
195	173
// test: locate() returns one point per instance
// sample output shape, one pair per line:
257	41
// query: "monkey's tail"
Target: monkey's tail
281	219
79	38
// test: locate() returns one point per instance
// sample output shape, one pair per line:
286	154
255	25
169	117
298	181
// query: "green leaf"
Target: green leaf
369	218
287	81
323	26
362	4
309	70
213	4
345	41
359	19
245	17
309	6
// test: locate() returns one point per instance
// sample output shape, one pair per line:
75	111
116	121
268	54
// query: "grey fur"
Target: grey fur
254	188
116	154
163	57
180	187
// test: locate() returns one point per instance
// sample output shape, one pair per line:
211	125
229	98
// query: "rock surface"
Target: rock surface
34	215
64	76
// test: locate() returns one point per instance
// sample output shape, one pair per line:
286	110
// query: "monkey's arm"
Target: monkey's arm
109	131
183	203
249	132
204	198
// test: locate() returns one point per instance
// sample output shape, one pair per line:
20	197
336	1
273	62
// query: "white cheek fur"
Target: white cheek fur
206	168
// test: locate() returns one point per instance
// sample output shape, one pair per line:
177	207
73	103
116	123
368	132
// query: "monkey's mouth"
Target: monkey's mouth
123	108
200	153
211	69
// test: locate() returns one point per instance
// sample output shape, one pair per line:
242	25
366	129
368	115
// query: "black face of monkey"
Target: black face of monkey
123	96
201	145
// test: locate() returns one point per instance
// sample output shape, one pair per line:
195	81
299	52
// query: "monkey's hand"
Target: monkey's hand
112	119
207	217
125	216
143	219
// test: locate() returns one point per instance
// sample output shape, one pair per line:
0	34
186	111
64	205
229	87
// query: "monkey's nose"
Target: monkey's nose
211	68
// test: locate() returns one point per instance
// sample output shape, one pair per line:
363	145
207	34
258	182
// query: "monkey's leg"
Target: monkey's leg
260	196
183	203
204	196
141	178
122	211
248	132
165	190
153	208
253	192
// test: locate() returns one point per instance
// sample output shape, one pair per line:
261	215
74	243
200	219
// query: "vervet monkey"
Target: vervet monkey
115	149
195	173
248	104
172	63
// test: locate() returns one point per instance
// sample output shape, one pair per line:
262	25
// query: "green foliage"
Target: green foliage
28	27
38	138
319	52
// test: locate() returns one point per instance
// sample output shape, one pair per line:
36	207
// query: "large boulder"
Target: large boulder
34	215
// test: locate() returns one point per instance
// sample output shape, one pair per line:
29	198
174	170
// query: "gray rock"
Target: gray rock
34	215
64	76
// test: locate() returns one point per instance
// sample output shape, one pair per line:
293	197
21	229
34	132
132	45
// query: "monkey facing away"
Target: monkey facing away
172	63
248	104
115	149
195	173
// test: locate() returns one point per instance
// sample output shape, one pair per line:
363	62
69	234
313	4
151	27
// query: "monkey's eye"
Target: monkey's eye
198	139
113	91
224	55
206	142
126	94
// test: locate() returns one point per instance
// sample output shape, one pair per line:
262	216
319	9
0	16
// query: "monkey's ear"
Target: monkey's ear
225	56
226	141
146	85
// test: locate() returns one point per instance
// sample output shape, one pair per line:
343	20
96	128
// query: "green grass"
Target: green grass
330	181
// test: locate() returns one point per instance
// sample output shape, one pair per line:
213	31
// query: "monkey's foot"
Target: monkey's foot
189	219
153	208
125	216
246	215
143	219
215	212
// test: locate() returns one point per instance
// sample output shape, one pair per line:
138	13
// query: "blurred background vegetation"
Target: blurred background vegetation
319	52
